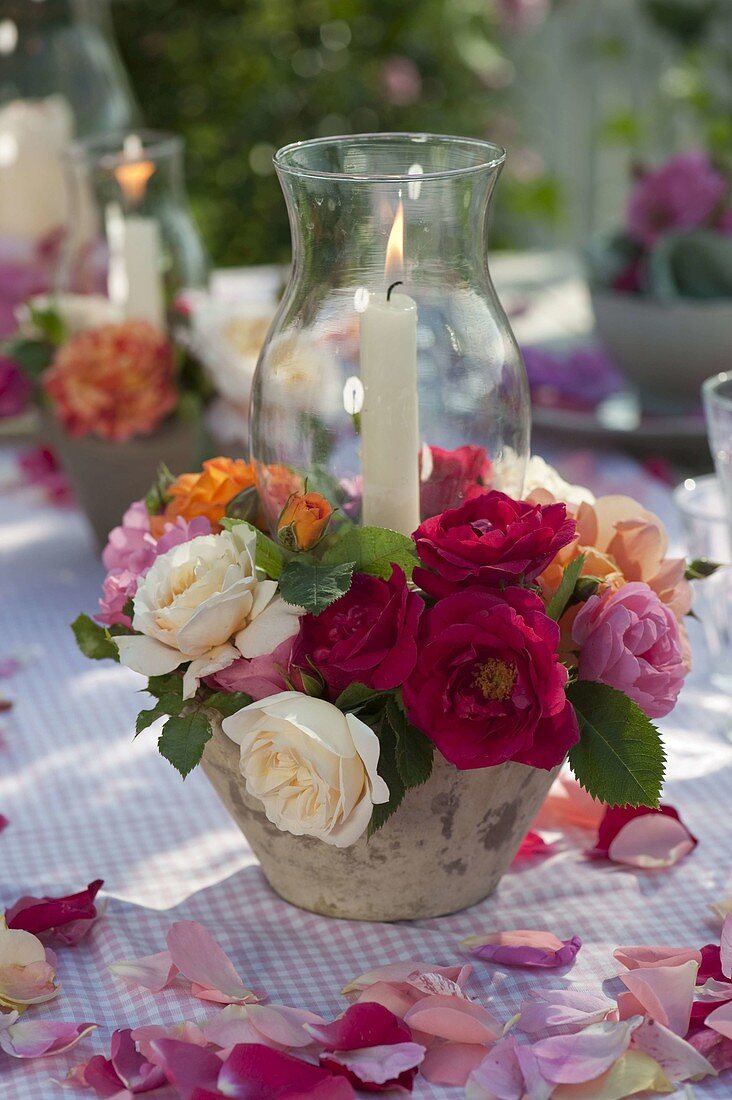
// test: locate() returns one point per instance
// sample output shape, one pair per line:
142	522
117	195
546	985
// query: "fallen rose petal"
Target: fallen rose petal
407	969
449	1063
27	969
523	947
720	1019
398	997
268	1074
40	1038
377	1068
633	1072
568	803
566	1008
99	1074
185	1032
4	822
69	918
435	983
508	1072
649	843
187	1066
132	1068
714	1047
634	957
362	1025
628	1006
532	847
714	991
679	1060
666	992
722	908
211	972
573	1059
153	972
276	1026
454	1018
725	947
711	964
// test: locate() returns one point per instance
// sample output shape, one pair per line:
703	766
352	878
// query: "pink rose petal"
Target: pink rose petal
633	1073
377	1068
40	1038
721	1020
185	1032
532	846
401	971
199	958
451	1063
725	947
666	992
679	1060
398	997
187	1066
69	918
153	972
572	1059
651	842
453	1018
566	1008
276	1026
361	1025
508	1072
714	1047
629	1006
132	1068
524	947
568	803
644	956
435	983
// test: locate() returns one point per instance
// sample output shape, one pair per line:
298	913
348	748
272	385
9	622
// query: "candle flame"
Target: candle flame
133	176
395	245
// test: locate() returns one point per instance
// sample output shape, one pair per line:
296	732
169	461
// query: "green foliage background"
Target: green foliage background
241	77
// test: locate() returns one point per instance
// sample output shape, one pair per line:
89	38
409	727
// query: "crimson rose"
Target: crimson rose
488	685
491	541
367	636
447	478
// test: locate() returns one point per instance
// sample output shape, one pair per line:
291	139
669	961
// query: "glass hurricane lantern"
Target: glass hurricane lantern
390	378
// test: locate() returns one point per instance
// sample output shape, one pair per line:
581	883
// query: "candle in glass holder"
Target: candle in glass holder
135	263
390	412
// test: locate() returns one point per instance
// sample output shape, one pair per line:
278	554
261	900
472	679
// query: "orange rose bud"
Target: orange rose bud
303	521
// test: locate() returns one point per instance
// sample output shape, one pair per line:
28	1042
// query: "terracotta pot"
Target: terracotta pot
445	848
106	477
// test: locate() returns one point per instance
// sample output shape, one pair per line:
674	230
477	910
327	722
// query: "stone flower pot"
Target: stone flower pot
445	848
107	477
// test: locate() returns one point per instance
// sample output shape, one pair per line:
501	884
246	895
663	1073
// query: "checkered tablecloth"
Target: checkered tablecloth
85	802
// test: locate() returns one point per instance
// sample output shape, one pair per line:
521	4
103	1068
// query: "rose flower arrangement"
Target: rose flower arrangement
339	657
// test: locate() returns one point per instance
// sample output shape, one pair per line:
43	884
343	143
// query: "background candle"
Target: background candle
135	241
390	414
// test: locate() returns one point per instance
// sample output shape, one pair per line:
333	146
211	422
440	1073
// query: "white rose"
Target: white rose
541	476
78	312
203	602
312	767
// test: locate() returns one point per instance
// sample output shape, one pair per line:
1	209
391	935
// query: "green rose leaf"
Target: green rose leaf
183	740
95	641
355	696
269	557
171	683
313	585
413	751
389	772
373	550
227	702
700	568
170	705
560	599
619	758
49	323
157	495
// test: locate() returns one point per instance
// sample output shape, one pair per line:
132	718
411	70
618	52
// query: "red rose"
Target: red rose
450	477
488	685
491	541
367	636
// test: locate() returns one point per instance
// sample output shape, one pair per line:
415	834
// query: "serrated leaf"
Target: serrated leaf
389	772
170	705
269	557
171	683
619	758
95	641
314	586
227	702
413	751
355	695
560	599
373	550
183	740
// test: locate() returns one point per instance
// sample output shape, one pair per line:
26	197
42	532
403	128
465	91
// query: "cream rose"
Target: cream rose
204	602
312	767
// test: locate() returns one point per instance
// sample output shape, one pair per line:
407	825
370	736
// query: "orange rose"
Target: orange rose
205	494
303	521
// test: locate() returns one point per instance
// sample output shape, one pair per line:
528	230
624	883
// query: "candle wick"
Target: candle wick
399	282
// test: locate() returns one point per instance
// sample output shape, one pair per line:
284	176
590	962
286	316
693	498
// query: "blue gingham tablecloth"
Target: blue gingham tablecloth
85	801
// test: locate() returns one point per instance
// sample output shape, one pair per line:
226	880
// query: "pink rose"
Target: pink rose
367	636
488	685
490	541
15	389
119	587
450	477
630	640
181	530
130	545
684	193
259	677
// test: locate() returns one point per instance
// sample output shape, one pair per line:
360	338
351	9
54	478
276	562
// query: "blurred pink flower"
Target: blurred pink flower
724	224
40	468
15	389
631	641
682	194
25	270
401	81
522	15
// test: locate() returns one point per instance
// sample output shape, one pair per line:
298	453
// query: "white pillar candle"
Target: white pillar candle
390	413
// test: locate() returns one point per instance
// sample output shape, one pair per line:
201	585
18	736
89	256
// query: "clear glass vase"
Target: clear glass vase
390	378
132	247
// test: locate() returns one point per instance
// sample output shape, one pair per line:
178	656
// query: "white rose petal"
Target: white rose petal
275	624
147	656
313	768
216	659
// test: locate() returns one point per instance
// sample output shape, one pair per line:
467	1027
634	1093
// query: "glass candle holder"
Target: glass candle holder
132	246
390	379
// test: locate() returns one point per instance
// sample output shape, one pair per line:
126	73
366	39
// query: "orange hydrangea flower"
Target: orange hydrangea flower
205	494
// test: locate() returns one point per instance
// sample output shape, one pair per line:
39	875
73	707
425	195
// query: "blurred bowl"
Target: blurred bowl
665	348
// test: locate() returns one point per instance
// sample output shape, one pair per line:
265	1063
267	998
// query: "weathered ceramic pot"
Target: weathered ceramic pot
445	848
106	477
